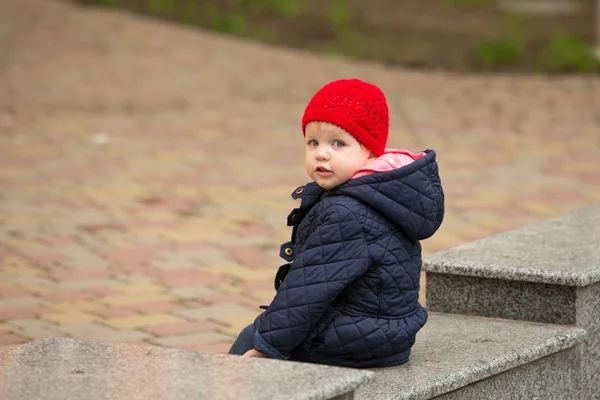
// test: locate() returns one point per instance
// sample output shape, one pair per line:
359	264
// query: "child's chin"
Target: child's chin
326	185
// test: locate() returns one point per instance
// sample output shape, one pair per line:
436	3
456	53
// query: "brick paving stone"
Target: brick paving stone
47	258
59	240
32	283
12	291
263	297
158	216
192	293
24	312
113	312
99	286
182	328
259	285
136	299
204	255
256	229
142	320
194	246
130	256
136	279
20	302
229	298
36	329
134	269
253	241
236	288
212	348
10	339
190	277
166	264
95	331
140	287
22	245
215	311
79	305
69	318
190	234
241	273
70	275
72	295
13	260
156	307
79	257
89	216
8	346
209	255
6	328
248	255
235	323
20	265
194	339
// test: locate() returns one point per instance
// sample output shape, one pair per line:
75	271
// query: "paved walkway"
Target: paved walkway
145	168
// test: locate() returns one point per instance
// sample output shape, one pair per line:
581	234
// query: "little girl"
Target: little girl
349	293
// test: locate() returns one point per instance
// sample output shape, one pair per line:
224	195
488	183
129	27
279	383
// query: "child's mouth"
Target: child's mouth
322	171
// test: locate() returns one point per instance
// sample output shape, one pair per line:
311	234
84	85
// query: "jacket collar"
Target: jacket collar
310	194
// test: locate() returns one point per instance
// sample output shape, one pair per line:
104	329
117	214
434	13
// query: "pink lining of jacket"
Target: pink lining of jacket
389	160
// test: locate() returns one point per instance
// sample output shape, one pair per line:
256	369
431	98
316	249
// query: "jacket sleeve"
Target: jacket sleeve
334	255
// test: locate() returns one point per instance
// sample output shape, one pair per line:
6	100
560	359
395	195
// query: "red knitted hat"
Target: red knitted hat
357	107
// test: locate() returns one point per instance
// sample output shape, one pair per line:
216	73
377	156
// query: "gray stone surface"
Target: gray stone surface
545	272
527	301
562	251
61	368
453	351
553	377
588	318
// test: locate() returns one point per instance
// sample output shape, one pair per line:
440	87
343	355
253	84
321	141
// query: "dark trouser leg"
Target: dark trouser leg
244	341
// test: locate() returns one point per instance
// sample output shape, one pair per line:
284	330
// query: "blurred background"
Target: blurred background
459	35
148	148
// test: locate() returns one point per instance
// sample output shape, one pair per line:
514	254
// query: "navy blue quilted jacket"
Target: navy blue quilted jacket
350	296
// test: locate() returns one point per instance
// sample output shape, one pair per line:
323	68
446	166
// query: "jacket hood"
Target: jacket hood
410	196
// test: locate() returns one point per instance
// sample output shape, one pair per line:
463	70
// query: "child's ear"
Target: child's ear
371	155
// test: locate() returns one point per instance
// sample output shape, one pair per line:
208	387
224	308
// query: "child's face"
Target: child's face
332	154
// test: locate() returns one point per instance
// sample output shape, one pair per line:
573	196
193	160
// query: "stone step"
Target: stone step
563	251
546	272
63	368
464	357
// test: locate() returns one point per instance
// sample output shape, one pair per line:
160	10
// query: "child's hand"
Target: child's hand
254	353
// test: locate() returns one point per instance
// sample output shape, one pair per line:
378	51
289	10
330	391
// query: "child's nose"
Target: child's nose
322	154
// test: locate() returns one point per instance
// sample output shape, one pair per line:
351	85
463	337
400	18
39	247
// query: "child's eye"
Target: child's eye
313	143
338	143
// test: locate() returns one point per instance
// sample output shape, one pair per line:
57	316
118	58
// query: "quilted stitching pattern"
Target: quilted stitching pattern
351	295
